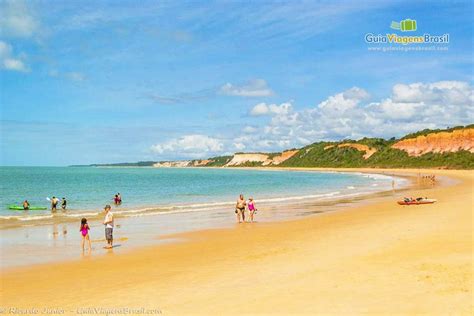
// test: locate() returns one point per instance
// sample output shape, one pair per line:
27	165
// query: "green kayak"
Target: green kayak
32	208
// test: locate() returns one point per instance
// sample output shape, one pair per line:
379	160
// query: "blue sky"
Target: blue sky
114	81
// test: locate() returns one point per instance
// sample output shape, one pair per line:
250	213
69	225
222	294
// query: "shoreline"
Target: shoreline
18	219
288	250
51	241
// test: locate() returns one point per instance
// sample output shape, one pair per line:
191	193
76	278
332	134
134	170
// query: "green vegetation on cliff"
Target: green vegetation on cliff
367	152
386	157
329	154
218	161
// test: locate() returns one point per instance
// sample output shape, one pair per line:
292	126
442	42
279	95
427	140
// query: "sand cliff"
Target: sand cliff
265	159
375	154
236	160
442	142
169	164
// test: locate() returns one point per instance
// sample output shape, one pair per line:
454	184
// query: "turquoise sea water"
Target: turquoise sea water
146	190
156	203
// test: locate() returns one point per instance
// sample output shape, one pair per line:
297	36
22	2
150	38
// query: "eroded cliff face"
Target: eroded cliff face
182	163
442	142
241	159
280	158
434	142
200	163
172	164
237	160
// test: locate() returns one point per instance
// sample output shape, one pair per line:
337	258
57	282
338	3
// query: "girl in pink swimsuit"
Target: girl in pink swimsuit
85	233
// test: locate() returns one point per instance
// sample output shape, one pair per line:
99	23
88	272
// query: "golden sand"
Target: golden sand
379	259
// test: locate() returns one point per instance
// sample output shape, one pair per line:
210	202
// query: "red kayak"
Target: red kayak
415	202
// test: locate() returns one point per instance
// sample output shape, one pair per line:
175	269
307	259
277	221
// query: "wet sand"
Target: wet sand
378	258
25	243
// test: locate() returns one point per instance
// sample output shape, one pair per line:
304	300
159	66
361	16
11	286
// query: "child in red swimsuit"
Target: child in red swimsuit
85	233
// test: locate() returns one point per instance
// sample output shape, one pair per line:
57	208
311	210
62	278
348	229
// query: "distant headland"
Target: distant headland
451	148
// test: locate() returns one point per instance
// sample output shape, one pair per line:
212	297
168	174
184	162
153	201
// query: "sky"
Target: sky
86	82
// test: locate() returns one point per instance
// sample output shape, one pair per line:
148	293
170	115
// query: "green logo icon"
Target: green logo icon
406	25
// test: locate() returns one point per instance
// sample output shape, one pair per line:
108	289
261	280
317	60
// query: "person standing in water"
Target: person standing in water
252	208
119	198
240	209
85	233
109	226
63	204
116	199
26	205
54	204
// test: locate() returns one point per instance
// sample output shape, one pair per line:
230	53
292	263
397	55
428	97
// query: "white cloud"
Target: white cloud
260	109
446	92
239	146
398	110
194	146
8	61
14	64
271	109
254	88
17	19
344	101
349	115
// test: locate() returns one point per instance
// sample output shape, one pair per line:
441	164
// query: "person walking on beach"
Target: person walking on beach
252	208
54	204
85	233
63	204
240	209
109	226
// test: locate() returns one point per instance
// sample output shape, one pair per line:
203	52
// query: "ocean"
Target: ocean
157	203
166	190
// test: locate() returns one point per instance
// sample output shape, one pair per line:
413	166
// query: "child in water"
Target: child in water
85	233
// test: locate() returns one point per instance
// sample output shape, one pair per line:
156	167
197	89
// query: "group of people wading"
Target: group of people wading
243	205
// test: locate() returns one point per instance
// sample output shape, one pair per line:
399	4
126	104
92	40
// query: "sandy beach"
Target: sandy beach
379	258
